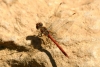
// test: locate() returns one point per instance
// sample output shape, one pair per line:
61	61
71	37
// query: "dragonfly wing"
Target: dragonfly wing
60	27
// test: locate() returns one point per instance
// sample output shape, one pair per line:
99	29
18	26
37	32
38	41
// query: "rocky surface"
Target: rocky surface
76	25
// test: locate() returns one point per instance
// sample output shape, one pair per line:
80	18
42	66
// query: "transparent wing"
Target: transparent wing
60	27
60	24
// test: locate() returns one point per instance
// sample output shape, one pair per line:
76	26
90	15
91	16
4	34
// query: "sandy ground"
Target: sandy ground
75	25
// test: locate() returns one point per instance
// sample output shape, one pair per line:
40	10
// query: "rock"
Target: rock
75	26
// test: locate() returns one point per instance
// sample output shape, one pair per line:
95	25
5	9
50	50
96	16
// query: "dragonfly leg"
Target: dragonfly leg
39	34
49	43
43	41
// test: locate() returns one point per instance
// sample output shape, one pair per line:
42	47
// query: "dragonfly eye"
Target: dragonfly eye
39	25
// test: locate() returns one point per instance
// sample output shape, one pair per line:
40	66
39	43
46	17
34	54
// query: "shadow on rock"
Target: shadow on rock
12	46
36	43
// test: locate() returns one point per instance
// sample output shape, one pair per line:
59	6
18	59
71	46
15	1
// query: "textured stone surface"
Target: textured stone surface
76	25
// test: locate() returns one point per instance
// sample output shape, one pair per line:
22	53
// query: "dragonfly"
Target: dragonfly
58	22
45	31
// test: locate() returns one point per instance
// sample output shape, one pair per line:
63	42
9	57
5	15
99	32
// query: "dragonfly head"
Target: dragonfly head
39	25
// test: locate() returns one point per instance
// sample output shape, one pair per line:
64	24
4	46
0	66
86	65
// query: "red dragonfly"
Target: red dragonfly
46	33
